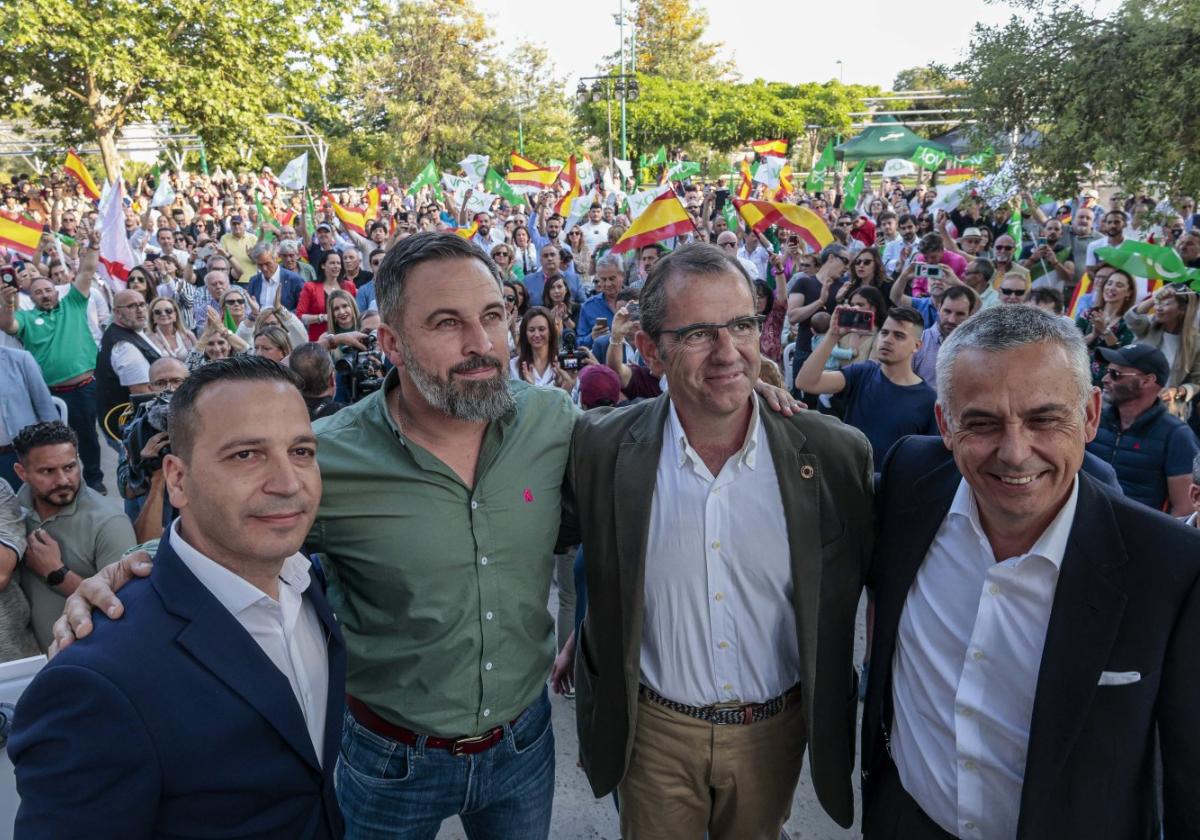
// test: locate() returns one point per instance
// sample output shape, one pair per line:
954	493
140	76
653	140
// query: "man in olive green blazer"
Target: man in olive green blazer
824	476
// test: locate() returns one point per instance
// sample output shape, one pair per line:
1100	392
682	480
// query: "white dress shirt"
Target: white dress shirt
268	294
965	670
719	625
287	630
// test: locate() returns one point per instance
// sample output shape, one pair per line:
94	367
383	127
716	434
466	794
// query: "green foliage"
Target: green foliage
1113	98
670	45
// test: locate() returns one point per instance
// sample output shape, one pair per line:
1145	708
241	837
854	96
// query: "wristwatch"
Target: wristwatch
57	576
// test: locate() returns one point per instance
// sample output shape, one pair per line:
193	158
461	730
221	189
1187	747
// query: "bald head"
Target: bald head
166	372
727	238
130	310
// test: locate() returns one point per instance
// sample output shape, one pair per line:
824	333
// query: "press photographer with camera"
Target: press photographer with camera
144	444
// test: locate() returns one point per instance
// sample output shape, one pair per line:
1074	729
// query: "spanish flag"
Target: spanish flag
571	177
542	178
760	215
746	186
351	219
786	185
372	210
286	217
770	148
523	164
21	235
75	168
1085	286
664	218
955	176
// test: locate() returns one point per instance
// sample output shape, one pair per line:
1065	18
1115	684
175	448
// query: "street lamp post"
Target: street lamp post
315	140
626	87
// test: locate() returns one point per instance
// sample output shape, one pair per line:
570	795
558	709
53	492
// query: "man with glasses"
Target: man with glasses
1006	259
1151	450
1013	288
728	243
694	699
123	364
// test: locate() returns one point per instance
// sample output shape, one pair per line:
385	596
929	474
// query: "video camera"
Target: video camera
571	357
149	418
364	368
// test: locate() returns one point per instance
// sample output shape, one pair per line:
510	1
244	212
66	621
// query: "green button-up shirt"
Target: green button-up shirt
441	590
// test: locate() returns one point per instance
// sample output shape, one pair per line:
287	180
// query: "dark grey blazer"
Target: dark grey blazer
825	480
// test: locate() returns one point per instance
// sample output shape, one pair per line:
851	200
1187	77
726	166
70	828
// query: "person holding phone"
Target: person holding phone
884	398
596	313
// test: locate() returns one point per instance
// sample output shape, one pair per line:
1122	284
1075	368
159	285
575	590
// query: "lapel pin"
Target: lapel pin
807	472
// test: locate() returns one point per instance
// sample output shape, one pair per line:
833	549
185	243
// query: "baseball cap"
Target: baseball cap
972	233
324	225
236	220
1143	357
599	385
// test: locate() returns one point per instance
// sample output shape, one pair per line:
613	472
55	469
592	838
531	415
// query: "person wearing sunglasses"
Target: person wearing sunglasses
123	363
1013	288
502	256
167	331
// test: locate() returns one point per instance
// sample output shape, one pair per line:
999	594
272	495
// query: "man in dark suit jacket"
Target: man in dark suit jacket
818	547
179	719
289	282
1038	716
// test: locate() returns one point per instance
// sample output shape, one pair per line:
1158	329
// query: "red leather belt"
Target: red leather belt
456	746
74	386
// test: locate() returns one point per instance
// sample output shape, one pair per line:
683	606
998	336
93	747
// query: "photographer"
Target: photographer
144	443
313	364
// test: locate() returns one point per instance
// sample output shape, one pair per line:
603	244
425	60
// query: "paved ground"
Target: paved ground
577	814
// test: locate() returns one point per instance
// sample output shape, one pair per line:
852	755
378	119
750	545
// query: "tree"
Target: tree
1083	90
87	68
932	77
669	42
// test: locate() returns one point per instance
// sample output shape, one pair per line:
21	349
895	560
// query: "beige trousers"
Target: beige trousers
688	777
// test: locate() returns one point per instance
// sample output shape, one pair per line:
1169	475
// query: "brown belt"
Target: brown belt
456	746
74	386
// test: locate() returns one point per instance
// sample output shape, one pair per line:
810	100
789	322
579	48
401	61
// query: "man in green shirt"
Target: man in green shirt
56	332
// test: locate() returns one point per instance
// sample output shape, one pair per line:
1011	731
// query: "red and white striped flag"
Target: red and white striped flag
116	257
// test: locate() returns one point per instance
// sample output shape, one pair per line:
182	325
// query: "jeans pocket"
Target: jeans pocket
372	760
532	727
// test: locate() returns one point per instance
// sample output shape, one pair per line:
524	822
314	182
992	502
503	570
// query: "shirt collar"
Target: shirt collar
747	454
1051	545
235	593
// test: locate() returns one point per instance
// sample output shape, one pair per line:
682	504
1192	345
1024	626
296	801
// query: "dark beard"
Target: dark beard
472	401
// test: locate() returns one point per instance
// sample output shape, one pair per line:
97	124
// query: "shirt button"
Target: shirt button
994	589
968	765
483	561
977	655
716	544
488	615
723	645
487	712
720	596
474	504
487	667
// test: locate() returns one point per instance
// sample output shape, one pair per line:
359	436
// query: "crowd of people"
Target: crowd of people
410	427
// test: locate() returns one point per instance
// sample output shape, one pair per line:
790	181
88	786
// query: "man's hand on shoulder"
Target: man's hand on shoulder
97	592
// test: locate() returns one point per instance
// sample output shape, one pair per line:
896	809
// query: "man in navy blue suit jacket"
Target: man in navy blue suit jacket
214	708
289	282
1033	670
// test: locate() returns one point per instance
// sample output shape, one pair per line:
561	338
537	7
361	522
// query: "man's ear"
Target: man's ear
389	343
649	350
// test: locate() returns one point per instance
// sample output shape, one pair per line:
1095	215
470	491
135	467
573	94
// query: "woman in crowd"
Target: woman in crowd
342	313
167	332
234	308
139	282
581	254
312	305
512	291
525	258
523	301
871	299
866	269
1104	325
502	256
536	361
772	305
1172	329
217	342
556	297
272	342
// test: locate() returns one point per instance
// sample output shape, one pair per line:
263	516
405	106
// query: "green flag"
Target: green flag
1015	230
928	157
310	215
427	177
854	186
265	232
658	157
494	183
683	169
203	161
816	178
230	324
977	159
731	215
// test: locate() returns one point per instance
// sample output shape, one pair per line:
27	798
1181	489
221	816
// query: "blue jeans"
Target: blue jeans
81	416
392	791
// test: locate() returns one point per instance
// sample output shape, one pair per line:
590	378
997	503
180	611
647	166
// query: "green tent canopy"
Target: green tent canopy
883	140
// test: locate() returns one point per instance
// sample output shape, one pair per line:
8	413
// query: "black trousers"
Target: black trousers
895	815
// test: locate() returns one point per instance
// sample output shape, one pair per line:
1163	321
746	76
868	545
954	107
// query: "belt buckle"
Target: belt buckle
458	747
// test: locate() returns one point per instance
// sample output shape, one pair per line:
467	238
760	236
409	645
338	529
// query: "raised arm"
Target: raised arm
812	376
89	260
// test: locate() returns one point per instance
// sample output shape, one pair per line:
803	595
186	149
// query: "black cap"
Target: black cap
1141	357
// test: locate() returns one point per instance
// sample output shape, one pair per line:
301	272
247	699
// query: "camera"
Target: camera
149	418
363	368
8	276
924	270
570	357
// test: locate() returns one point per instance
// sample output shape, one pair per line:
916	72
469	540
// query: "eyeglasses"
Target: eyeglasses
703	336
728	244
1117	375
846	223
1004	247
502	254
236	302
165	384
141	305
157	312
867	261
1011	292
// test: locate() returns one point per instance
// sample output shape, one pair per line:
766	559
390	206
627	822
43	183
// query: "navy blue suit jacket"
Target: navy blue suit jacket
1128	599
290	284
171	722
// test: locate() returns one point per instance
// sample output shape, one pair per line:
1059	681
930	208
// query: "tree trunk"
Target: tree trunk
107	139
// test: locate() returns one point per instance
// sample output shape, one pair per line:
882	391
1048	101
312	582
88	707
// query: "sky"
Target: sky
874	39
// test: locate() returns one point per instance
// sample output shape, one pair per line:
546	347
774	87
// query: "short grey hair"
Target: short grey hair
1002	328
263	249
1196	471
288	247
611	260
695	258
410	252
